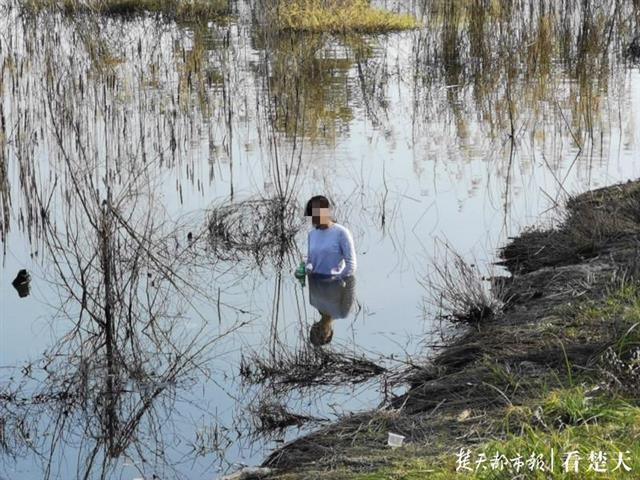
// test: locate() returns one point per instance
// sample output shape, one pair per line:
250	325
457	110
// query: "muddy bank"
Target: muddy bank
543	337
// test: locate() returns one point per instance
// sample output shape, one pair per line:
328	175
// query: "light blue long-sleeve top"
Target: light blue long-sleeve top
331	251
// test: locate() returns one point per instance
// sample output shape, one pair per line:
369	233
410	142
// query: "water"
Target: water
459	134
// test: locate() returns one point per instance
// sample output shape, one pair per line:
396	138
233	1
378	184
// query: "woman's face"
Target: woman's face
320	215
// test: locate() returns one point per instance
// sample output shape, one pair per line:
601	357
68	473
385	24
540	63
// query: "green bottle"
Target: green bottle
300	273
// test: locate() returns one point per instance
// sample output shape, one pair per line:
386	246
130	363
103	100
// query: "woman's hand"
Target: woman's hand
336	271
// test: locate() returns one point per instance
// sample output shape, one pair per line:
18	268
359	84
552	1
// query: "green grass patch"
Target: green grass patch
578	405
622	302
613	317
619	314
339	16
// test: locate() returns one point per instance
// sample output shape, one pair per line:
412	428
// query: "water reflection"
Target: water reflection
163	121
308	84
334	299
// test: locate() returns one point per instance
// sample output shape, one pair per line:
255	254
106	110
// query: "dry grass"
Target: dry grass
339	16
309	367
189	10
460	291
593	223
257	228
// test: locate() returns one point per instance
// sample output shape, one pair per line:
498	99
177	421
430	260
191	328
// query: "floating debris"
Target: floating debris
22	283
274	417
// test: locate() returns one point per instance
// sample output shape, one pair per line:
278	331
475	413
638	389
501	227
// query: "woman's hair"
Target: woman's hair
319	201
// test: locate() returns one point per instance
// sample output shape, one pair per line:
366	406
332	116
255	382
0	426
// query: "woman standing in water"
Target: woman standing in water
330	250
331	264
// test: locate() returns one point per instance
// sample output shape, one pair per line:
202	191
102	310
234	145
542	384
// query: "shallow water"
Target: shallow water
459	134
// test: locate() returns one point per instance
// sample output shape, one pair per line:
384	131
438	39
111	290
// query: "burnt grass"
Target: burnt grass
460	396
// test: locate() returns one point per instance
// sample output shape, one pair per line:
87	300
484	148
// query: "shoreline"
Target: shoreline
567	311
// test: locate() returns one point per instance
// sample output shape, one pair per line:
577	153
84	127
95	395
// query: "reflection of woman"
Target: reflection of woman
333	297
330	245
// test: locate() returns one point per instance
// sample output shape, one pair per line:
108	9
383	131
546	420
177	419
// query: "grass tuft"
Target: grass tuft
339	16
460	291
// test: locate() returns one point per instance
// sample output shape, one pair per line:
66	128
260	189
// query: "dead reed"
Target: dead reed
459	290
263	228
307	368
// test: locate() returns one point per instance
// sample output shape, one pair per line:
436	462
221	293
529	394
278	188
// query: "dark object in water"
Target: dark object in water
22	283
633	50
273	417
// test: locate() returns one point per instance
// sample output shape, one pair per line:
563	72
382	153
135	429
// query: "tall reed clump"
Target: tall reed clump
459	290
339	16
